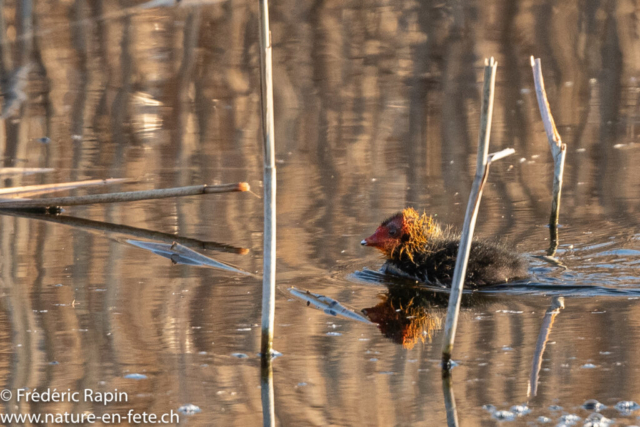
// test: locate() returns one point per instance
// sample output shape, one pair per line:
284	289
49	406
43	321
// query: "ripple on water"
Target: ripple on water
507	415
504	415
490	408
570	419
583	278
597	420
135	377
626	407
593	405
239	355
520	410
189	409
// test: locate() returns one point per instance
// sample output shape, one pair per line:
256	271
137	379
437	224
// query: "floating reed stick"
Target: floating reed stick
482	171
130	196
558	151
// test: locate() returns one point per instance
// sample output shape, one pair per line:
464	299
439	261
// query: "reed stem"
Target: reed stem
558	151
269	263
269	257
129	196
482	171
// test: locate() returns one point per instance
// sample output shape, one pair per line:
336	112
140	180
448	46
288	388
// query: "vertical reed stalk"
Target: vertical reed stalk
269	267
558	151
482	169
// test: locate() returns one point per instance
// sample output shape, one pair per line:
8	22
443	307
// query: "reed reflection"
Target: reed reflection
557	304
266	390
126	230
449	399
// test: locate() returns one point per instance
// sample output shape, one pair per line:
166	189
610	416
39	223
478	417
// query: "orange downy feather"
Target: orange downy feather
421	229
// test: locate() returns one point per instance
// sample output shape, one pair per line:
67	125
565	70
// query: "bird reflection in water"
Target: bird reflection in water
408	314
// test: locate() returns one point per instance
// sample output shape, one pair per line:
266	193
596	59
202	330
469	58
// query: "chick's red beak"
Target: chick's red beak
376	239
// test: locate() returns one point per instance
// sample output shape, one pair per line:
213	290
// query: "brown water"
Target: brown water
377	106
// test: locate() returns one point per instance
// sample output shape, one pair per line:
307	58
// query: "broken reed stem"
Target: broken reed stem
130	196
269	261
558	150
471	213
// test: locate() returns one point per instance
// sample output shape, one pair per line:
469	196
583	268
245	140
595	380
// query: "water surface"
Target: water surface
377	107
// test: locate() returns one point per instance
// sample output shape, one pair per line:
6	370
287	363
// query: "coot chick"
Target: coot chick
416	247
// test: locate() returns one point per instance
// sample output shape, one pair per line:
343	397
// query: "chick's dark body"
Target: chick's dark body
489	263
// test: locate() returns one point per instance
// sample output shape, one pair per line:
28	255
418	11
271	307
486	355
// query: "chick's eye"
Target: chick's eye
392	231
